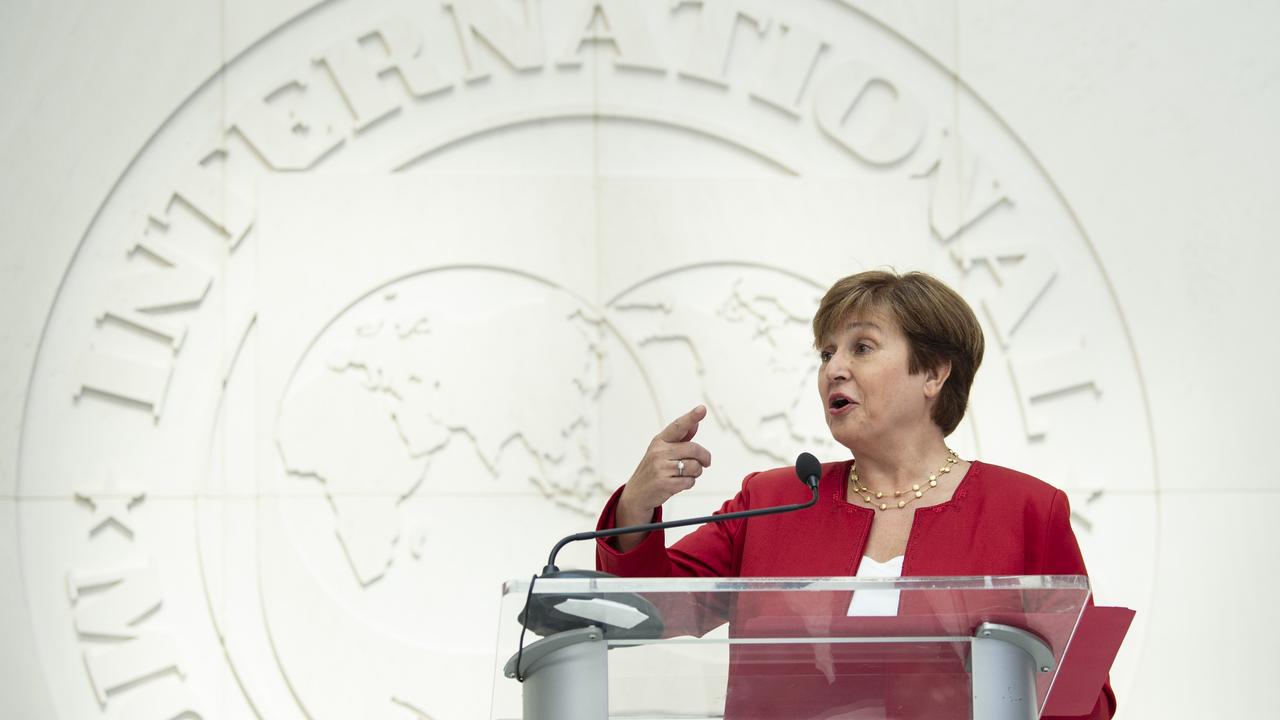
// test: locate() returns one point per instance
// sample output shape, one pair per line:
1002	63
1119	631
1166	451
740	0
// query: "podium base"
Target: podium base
566	676
1005	661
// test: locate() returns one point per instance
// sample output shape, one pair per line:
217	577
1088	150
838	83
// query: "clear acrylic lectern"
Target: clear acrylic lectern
785	648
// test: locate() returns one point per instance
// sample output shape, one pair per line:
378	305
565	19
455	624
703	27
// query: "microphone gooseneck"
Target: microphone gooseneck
808	469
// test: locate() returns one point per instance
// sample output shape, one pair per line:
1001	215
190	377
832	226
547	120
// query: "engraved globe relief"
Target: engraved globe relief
514	379
149	365
711	327
460	381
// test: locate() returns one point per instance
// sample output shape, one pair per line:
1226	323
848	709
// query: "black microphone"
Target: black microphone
808	469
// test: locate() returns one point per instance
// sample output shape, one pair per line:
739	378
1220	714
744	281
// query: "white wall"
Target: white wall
1130	141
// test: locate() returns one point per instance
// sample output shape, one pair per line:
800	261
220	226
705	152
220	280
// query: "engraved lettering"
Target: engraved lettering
1022	271
962	188
708	58
625	28
121	666
358	68
135	297
868	116
1038	379
211	197
285	130
165	698
109	605
125	378
518	43
790	70
109	602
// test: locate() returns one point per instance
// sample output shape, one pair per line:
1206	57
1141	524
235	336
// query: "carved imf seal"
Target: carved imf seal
383	307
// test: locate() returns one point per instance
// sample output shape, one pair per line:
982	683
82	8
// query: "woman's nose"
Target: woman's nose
837	367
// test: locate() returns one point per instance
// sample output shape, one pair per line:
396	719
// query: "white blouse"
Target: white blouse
882	603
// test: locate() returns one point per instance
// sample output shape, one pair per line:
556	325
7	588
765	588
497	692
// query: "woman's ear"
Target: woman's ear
935	378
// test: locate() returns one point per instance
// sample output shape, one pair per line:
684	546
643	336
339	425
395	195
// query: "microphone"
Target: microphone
808	469
546	615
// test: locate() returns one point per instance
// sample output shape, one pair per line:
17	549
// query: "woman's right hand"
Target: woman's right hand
660	473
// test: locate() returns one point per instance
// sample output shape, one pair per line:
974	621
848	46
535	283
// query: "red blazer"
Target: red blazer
998	522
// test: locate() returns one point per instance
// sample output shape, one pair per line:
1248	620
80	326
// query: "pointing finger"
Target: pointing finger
683	428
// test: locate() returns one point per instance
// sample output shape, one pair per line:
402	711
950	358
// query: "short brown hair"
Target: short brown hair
939	325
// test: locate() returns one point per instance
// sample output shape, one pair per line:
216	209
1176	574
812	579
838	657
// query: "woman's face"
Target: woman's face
867	393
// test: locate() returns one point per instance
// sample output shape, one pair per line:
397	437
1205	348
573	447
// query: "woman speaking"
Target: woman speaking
898	356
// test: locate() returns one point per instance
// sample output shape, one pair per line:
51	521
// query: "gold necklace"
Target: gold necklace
917	490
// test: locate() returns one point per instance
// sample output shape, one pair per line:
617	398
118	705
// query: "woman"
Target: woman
898	356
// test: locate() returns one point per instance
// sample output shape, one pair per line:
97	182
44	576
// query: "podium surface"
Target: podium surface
765	648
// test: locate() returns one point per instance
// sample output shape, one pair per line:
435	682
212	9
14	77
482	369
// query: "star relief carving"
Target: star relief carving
111	505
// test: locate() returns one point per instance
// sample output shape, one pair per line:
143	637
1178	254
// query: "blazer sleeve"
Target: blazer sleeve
1059	554
713	550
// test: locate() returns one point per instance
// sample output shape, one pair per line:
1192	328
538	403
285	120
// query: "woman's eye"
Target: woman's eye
825	355
861	348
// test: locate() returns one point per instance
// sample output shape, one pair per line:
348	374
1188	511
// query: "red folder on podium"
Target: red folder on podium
1088	660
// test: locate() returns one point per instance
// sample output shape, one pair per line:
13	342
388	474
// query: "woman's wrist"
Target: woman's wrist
629	513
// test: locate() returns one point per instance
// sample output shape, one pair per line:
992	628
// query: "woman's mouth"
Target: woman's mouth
839	404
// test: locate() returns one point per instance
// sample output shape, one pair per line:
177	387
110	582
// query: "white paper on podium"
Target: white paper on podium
605	611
